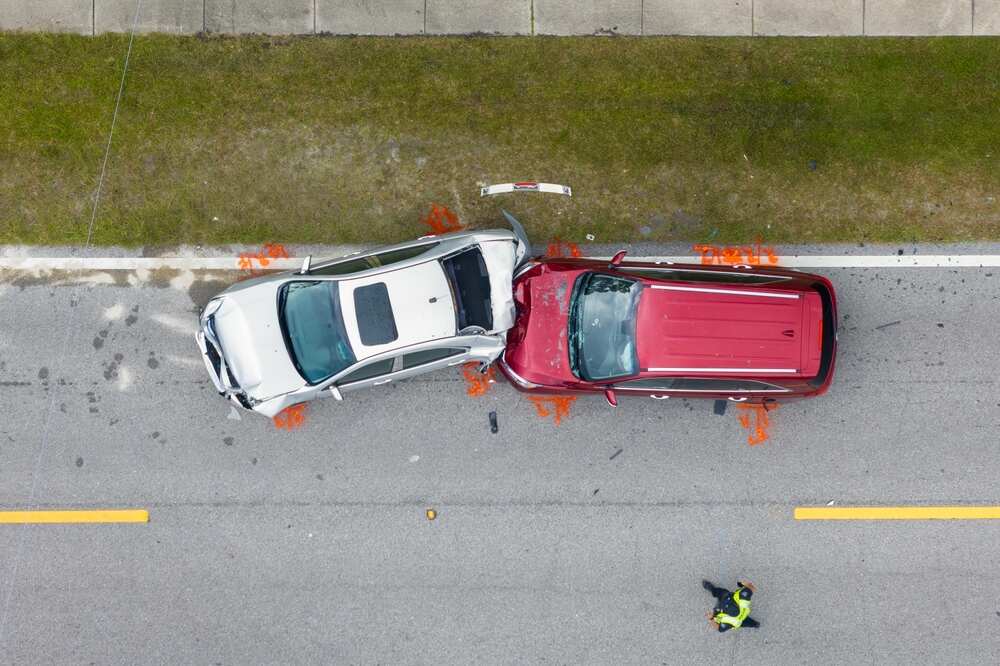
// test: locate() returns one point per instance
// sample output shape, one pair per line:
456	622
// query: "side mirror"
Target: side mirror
609	395
619	258
306	264
335	392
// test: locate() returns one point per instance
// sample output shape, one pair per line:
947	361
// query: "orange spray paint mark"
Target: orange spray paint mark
560	248
556	406
729	255
291	418
755	420
477	383
251	264
442	220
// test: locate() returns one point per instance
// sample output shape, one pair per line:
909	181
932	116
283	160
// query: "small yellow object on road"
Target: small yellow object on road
431	514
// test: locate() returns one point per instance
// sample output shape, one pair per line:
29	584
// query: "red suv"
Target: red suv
665	330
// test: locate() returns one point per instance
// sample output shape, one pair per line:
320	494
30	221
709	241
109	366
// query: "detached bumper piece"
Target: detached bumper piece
526	186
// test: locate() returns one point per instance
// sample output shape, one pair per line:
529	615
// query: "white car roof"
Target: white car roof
421	303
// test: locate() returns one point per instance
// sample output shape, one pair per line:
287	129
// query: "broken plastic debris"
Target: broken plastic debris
525	186
414	458
590	237
431	514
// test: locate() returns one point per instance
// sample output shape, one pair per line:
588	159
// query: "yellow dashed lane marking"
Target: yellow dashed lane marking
75	516
898	513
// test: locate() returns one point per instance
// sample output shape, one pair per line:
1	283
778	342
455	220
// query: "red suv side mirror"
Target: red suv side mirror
619	257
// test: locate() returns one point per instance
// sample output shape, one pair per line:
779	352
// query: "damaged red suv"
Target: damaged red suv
661	330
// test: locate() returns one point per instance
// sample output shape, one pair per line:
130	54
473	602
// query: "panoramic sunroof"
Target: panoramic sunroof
375	322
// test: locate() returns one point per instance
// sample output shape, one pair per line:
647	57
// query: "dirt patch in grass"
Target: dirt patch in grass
345	140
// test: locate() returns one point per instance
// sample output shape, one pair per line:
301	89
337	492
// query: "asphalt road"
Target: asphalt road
311	545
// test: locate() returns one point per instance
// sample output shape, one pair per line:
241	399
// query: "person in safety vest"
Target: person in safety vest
732	609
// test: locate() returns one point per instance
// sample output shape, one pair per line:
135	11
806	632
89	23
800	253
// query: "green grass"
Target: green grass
352	139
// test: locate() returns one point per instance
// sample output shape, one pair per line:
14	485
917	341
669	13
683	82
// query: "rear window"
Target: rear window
376	325
470	285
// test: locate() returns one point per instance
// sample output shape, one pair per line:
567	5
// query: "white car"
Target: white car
363	320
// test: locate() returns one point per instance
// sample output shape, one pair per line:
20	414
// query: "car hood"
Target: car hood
755	329
501	259
537	346
248	331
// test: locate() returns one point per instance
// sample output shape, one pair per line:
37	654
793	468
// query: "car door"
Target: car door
735	389
422	361
367	374
658	388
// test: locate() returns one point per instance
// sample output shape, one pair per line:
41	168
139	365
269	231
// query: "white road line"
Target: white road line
235	263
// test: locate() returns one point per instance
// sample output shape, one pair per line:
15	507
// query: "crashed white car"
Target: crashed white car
363	320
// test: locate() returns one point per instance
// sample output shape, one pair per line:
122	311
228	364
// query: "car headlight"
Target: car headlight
212	307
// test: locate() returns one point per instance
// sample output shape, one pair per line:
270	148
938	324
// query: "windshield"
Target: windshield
313	327
602	326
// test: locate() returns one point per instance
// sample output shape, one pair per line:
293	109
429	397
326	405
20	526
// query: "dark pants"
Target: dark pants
722	595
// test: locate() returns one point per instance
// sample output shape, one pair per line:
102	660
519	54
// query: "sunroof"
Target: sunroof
375	322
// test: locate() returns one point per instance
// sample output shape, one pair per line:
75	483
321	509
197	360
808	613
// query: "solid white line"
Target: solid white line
235	263
703	290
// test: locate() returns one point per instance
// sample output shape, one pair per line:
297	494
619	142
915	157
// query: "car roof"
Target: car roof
419	304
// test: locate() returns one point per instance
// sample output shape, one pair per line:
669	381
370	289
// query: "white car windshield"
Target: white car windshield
313	327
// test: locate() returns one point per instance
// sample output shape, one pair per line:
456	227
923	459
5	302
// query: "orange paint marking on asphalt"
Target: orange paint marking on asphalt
442	220
560	248
730	255
559	405
478	384
291	418
755	419
252	263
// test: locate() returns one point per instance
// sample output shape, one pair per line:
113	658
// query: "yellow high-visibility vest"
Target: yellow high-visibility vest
737	621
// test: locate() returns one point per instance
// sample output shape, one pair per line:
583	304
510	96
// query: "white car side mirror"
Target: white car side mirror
335	392
306	264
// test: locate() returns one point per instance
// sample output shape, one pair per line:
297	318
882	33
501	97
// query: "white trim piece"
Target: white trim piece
747	292
38	263
757	371
525	186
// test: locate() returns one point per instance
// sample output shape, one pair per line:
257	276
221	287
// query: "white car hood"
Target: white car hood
500	262
248	330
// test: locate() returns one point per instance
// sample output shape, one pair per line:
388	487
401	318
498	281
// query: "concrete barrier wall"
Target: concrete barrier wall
510	17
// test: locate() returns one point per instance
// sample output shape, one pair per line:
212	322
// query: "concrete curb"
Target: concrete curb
510	17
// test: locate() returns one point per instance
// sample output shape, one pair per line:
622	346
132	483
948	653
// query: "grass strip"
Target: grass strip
344	140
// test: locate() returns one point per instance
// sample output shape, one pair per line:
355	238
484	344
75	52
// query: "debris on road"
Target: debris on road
891	323
494	427
616	454
431	514
719	408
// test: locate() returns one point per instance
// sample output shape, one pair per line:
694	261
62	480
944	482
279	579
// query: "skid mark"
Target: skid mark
755	420
729	255
556	406
559	248
291	418
478	383
442	220
251	264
